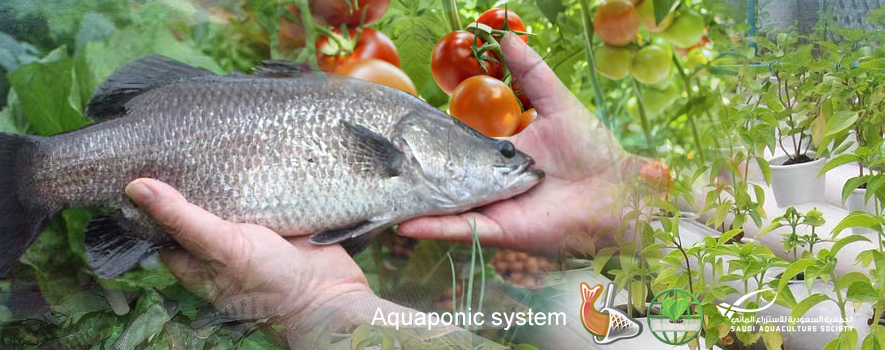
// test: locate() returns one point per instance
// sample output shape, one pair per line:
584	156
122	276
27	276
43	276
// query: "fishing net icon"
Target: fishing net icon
607	324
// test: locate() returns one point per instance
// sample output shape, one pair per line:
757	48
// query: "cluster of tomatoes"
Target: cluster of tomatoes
483	95
618	22
363	52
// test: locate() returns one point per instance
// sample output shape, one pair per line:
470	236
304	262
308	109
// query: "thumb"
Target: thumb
538	81
203	234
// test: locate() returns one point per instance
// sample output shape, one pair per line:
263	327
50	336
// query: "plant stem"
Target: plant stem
689	114
450	10
839	300
598	97
646	127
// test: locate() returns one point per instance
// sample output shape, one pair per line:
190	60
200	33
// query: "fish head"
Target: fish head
461	167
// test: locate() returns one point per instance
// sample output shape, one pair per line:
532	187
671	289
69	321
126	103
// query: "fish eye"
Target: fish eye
506	148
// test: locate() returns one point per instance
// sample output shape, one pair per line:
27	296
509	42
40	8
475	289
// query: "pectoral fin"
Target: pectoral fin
371	152
111	250
358	231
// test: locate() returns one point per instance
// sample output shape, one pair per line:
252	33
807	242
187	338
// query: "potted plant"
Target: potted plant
858	96
790	102
793	219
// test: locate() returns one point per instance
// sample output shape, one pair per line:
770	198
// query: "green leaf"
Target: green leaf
839	161
847	340
774	225
807	304
841	121
875	340
725	237
638	293
850	278
663	8
550	8
862	292
49	94
793	270
602	257
873	186
773	340
842	242
852	184
765	168
858	219
416	31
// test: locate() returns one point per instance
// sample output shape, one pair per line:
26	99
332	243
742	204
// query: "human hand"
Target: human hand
576	152
248	272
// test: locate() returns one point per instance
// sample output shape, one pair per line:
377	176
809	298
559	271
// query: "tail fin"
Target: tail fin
19	223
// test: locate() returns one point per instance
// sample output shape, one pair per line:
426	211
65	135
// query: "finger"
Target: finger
453	228
192	272
200	232
538	81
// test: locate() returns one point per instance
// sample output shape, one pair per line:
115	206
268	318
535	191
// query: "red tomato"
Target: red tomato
523	98
495	18
336	12
616	22
372	44
487	105
528	117
452	61
656	174
378	71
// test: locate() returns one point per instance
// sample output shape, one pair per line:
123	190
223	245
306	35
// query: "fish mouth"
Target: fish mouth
524	173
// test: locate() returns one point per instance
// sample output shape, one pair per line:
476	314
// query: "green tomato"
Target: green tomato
651	64
672	92
613	62
655	102
646	11
664	84
663	43
686	30
633	108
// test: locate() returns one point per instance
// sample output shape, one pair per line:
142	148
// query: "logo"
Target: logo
608	324
677	322
728	310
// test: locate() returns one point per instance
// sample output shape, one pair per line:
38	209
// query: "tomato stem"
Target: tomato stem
643	117
502	32
491	45
342	45
450	9
689	113
598	97
309	35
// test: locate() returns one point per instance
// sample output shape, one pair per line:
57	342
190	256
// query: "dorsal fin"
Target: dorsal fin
135	78
285	69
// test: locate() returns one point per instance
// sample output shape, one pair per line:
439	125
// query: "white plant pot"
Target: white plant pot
855	202
797	183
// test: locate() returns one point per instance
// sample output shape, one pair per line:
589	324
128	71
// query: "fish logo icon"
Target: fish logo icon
607	324
728	310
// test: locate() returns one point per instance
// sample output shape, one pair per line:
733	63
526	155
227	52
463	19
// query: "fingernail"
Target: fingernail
139	192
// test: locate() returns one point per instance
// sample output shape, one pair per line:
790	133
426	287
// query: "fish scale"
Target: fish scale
311	154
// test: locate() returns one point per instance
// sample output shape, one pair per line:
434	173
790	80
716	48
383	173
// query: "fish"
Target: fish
297	150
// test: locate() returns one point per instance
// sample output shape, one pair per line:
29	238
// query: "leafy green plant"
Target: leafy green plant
851	287
793	219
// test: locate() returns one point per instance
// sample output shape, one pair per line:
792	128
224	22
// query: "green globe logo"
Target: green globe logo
677	323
